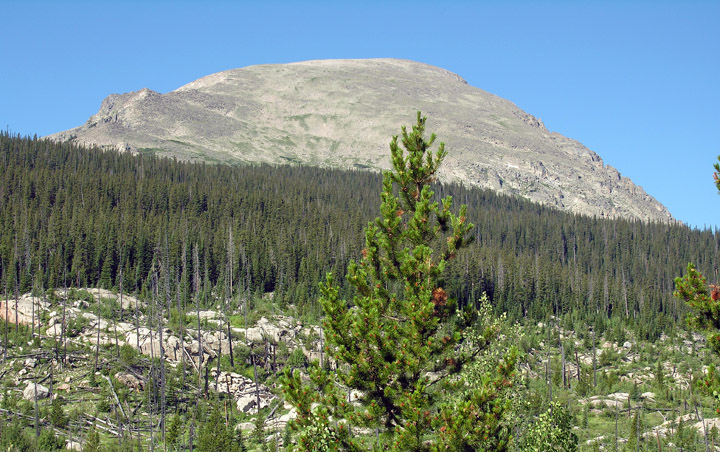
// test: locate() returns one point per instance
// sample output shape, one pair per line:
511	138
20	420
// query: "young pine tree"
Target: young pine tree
396	344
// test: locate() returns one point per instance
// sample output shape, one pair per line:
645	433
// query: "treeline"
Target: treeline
85	217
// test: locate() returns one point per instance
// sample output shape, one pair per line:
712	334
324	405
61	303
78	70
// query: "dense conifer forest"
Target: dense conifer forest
569	321
82	217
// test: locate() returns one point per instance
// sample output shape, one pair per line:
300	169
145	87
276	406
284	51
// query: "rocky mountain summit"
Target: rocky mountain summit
341	113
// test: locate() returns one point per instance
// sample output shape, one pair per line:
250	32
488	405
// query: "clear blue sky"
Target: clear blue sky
637	82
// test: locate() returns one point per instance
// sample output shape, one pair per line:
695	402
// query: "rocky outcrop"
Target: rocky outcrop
289	331
130	381
33	390
21	310
96	329
342	113
668	427
243	390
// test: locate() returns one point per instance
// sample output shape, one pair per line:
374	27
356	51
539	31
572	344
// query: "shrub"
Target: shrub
297	359
75	325
49	442
128	355
14	437
58	418
551	432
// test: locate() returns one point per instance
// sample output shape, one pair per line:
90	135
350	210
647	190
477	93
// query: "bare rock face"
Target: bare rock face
341	113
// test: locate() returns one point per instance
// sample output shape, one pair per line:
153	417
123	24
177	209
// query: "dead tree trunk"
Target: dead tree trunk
42	297
181	305
63	334
196	284
547	367
5	348
97	342
577	362
137	324
121	265
228	299
594	360
562	355
217	374
32	309
114	318
165	273
257	387
17	300
153	376
37	412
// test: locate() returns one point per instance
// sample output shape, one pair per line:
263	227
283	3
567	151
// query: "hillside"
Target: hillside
111	368
341	113
88	218
154	304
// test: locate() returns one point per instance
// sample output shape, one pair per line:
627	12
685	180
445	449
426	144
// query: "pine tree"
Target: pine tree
401	342
704	300
92	441
58	418
214	435
636	430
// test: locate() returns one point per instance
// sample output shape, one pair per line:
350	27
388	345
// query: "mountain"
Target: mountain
342	113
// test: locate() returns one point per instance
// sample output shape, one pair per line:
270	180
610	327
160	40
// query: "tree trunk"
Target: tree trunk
121	265
17	297
577	362
6	319
32	309
114	318
207	371
217	375
181	305
137	324
229	332
97	327
637	440
37	416
63	333
165	274
196	286
624	290
192	428
257	387
322	347
616	426
548	371
562	354
594	361
152	359
228	299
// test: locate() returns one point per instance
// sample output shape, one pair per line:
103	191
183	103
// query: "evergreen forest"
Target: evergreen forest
81	217
564	322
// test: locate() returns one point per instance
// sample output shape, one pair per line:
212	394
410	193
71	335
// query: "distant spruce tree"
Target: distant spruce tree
396	343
